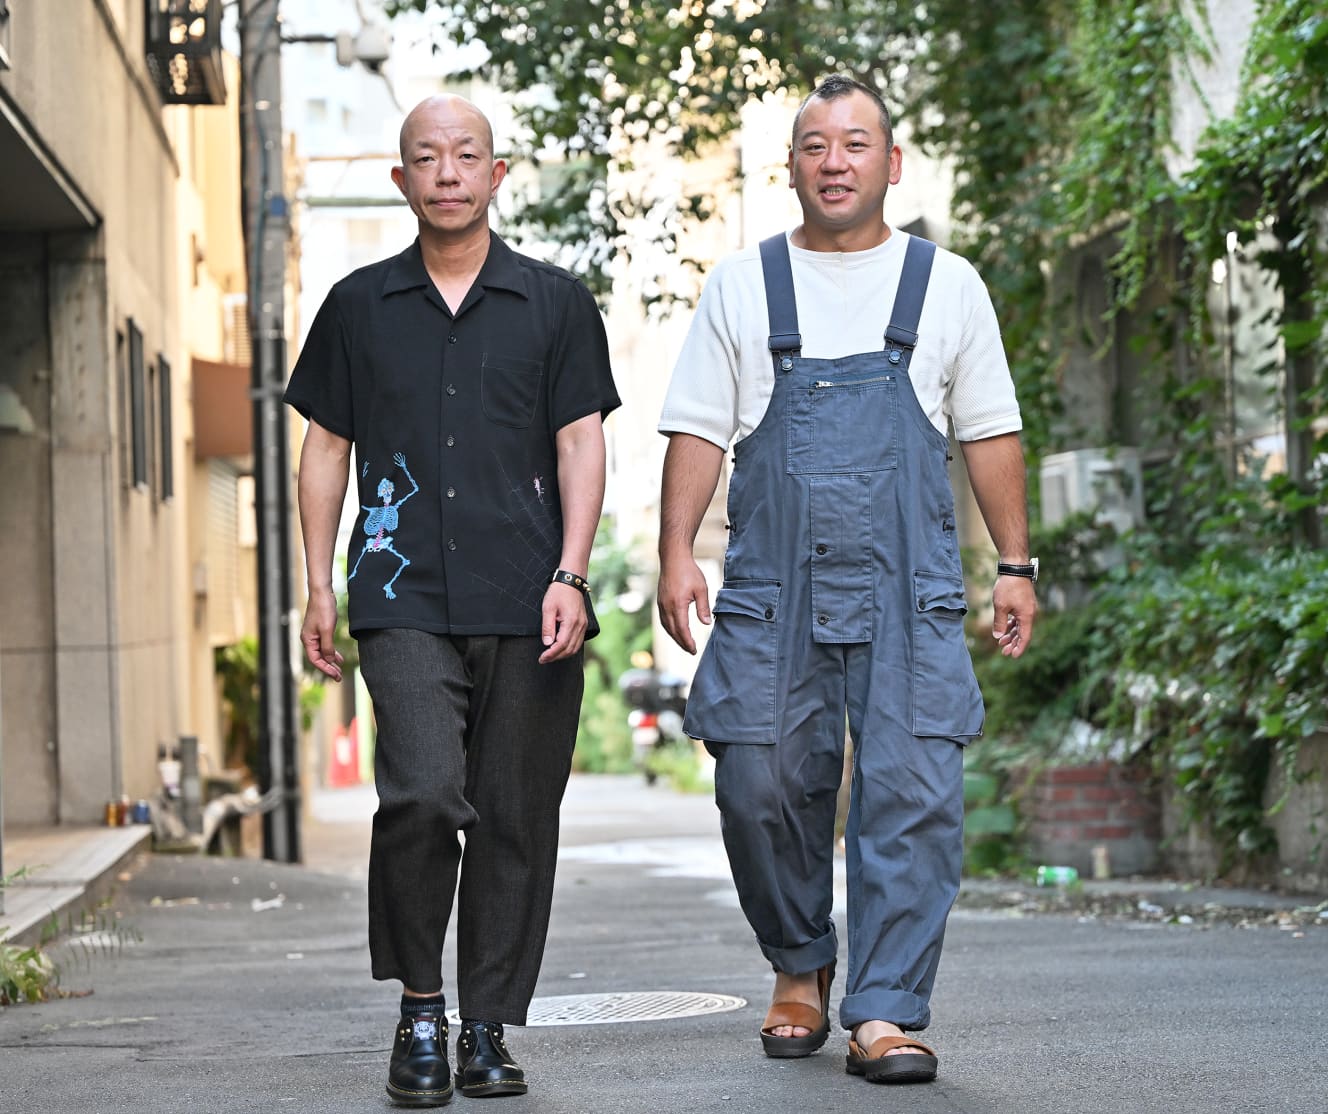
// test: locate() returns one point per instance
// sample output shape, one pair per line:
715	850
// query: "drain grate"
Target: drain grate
629	1005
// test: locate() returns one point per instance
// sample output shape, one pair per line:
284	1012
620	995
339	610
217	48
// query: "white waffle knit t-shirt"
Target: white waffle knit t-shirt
724	376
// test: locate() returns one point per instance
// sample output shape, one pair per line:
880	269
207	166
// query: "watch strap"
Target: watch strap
1028	572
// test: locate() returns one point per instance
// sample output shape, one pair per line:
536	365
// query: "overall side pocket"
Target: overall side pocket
732	699
946	700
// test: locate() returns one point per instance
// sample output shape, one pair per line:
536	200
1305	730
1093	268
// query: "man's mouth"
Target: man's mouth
835	191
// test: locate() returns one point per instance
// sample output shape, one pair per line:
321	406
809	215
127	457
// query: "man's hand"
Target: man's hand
681	583
320	623
565	622
1015	607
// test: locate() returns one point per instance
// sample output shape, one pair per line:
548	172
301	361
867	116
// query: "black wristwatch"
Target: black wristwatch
1028	572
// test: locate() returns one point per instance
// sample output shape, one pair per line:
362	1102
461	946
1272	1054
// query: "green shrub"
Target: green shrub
1221	666
603	739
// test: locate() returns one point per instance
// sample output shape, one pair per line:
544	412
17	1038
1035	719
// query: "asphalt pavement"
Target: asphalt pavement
233	985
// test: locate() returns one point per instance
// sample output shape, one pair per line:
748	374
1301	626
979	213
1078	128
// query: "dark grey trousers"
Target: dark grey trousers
474	735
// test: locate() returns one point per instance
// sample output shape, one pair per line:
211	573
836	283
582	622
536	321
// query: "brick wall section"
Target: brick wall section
1069	810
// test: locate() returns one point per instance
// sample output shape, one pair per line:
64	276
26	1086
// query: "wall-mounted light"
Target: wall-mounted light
183	44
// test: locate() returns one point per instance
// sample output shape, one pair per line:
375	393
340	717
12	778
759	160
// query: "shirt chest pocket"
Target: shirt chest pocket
510	389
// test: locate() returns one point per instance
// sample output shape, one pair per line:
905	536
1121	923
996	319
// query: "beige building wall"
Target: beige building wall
107	202
216	604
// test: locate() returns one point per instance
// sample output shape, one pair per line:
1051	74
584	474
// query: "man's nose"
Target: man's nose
836	157
447	169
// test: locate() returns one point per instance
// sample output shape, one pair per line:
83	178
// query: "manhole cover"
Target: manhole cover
630	1005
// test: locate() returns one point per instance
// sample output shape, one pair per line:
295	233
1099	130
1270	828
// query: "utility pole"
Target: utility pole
266	232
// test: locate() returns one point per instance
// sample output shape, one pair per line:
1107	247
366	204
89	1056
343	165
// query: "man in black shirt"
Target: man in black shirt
472	383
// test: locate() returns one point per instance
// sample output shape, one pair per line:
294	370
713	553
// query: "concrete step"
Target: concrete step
67	869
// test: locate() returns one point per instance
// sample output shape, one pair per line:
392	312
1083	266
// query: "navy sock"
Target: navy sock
412	1007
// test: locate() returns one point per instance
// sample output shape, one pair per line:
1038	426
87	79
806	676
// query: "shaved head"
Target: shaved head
448	173
446	110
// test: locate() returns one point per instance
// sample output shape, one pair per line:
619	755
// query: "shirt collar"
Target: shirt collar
500	270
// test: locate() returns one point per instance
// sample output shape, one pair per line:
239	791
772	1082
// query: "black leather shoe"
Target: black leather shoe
419	1074
484	1066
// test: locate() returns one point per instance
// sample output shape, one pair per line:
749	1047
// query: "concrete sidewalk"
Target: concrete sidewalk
240	985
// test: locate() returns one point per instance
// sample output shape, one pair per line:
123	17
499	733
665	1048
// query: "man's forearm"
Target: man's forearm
997	475
691	474
581	489
324	468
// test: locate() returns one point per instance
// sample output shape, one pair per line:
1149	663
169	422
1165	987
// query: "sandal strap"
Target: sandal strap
792	1013
881	1045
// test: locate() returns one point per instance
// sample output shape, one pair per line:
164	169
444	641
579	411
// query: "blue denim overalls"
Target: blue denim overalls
842	592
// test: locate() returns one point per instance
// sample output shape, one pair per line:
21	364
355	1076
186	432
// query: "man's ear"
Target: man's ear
399	177
499	173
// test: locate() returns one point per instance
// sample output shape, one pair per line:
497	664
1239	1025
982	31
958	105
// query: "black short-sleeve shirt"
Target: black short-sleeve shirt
453	418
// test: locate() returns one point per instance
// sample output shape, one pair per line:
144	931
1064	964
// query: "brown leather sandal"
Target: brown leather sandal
805	1016
876	1067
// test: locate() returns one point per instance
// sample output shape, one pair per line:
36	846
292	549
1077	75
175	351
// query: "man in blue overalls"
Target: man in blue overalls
835	356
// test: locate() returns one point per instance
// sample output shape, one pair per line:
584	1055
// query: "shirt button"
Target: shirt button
823	619
451	492
450	440
769	612
451	543
451	339
820	549
451	390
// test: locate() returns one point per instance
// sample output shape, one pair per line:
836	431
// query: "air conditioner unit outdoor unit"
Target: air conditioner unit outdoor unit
1106	482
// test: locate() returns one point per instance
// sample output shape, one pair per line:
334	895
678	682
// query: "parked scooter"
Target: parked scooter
657	704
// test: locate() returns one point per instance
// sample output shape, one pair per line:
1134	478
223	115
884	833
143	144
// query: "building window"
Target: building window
138	411
151	430
167	446
122	402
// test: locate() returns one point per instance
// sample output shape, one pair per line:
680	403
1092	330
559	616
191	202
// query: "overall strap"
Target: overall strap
902	332
785	340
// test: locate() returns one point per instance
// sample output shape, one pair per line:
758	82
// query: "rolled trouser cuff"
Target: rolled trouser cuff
803	958
899	1007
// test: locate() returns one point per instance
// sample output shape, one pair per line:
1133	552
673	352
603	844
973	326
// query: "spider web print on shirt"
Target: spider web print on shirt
532	541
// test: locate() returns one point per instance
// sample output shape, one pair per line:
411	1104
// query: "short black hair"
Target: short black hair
841	85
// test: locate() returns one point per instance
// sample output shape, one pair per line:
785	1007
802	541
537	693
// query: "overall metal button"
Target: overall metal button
823	619
451	491
820	549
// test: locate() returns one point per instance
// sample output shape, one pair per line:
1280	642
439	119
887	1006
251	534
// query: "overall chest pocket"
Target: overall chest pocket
843	425
509	389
